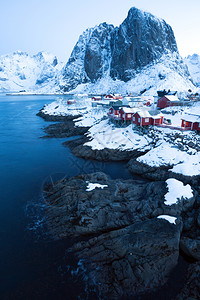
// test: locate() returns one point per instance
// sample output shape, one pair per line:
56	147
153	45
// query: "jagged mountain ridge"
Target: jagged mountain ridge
121	52
21	71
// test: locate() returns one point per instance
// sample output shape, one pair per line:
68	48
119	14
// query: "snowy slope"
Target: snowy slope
169	72
20	71
193	64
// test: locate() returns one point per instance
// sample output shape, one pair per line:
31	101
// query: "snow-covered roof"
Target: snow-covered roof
172	97
129	110
154	114
191	118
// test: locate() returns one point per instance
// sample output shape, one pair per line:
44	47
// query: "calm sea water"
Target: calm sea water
31	265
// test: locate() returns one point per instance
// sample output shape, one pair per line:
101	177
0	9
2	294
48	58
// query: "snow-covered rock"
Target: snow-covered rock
23	72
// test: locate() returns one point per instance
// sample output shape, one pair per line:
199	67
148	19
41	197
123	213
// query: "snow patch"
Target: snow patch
176	190
92	186
170	219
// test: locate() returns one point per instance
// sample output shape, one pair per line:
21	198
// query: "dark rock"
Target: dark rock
52	118
132	260
138	41
161	173
131	251
191	247
66	129
78	148
191	289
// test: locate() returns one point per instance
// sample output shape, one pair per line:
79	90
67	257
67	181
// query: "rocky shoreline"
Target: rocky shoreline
128	251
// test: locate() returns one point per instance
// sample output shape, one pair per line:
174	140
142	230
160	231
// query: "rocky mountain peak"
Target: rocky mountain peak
139	40
118	52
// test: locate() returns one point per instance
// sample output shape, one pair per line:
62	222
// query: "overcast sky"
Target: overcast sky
55	25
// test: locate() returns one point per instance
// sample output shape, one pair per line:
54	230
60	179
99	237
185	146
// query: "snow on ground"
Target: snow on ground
177	190
61	108
163	155
91	118
92	186
105	135
167	154
176	113
190	166
170	219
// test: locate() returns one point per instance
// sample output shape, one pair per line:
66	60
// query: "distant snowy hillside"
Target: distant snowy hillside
20	71
193	63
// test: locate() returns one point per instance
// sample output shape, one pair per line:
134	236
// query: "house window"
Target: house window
128	115
146	120
138	119
133	118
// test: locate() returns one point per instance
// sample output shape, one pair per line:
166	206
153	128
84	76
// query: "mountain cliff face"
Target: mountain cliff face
139	40
118	52
90	58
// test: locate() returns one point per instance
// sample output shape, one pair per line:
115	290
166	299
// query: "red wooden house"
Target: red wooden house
110	96
145	117
114	112
96	98
191	122
126	113
168	100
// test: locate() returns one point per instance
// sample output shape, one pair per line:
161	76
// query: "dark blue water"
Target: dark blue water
32	266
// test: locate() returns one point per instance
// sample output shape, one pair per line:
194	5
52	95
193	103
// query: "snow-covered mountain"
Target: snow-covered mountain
193	63
21	71
141	54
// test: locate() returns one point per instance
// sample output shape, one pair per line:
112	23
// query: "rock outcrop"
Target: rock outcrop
125	249
119	52
191	288
140	40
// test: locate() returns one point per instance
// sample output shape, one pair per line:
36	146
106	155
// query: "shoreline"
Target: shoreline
79	218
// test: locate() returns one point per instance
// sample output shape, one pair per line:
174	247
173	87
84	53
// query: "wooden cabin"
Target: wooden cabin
126	113
96	98
145	117
191	122
114	112
168	100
